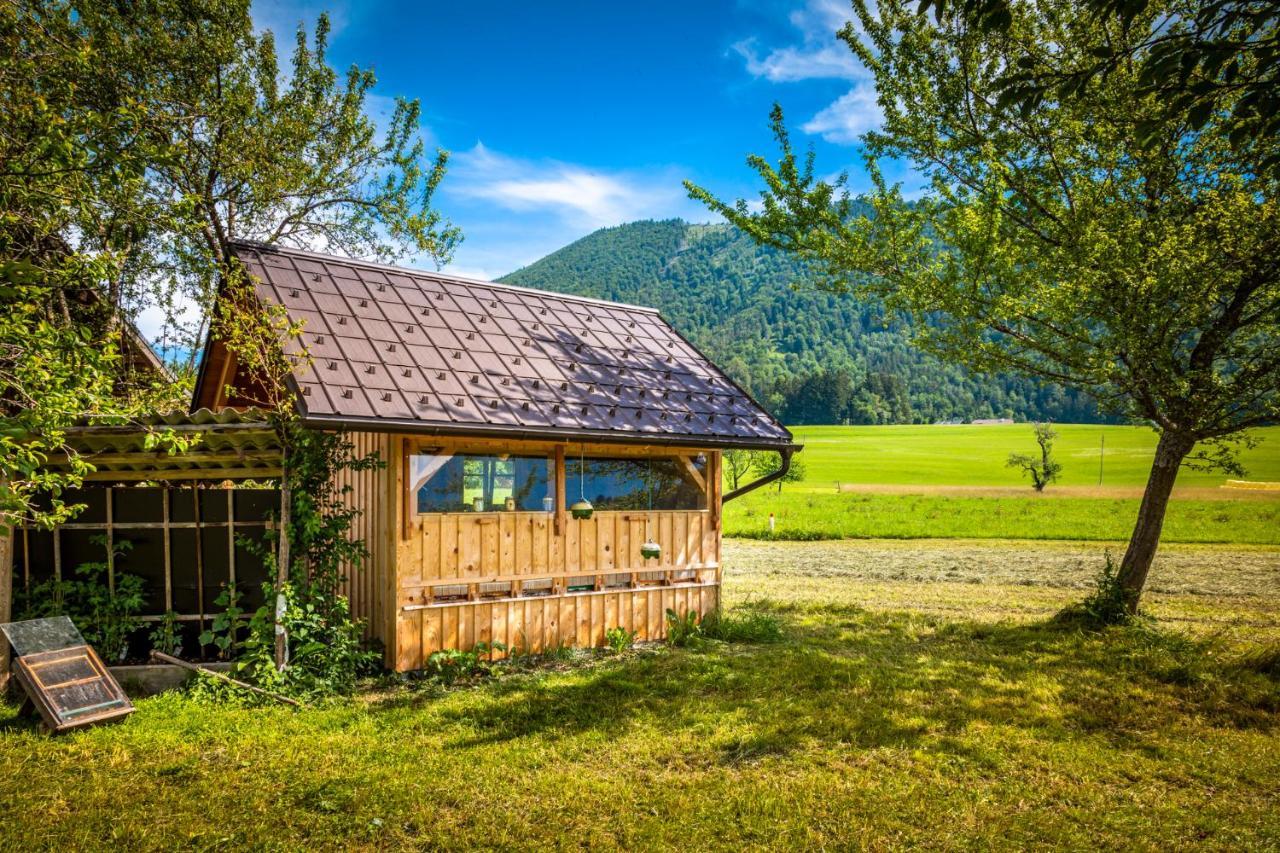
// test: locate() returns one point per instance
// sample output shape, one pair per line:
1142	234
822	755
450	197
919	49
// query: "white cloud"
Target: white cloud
821	55
590	198
850	116
514	210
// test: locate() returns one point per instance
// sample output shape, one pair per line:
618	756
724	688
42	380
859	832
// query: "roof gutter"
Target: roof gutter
785	453
416	427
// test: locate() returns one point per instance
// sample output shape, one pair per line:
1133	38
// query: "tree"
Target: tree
1221	56
1044	470
245	151
1058	244
737	464
768	463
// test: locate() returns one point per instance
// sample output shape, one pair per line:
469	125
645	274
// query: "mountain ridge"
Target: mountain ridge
809	356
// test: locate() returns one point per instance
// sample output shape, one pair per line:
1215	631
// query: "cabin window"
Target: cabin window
627	483
467	482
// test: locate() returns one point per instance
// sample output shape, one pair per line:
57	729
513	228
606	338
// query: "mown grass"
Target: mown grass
802	515
976	455
869	724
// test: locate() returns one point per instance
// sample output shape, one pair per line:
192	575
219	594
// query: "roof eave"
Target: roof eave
427	428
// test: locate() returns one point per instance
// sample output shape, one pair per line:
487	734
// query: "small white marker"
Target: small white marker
770	522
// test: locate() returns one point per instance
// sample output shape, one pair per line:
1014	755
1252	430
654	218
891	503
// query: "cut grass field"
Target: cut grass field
919	696
951	482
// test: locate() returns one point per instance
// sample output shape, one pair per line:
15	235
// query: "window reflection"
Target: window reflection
623	483
464	482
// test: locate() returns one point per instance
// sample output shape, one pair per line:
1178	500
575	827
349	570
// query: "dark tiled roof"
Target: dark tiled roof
416	347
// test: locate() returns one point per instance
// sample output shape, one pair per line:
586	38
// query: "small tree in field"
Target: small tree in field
1044	470
1099	241
737	464
767	463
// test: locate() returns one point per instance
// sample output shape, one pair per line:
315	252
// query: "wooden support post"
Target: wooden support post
231	537
282	569
111	540
6	596
560	488
195	509
168	551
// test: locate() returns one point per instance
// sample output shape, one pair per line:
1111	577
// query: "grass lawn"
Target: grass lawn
801	514
918	697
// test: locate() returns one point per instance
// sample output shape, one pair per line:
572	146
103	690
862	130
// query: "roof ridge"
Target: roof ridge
463	279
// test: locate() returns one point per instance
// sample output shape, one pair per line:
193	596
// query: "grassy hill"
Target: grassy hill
748	308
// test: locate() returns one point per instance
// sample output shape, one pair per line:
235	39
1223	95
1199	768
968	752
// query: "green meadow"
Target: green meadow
975	455
920	482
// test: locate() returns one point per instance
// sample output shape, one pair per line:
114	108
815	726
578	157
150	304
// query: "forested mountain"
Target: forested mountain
811	357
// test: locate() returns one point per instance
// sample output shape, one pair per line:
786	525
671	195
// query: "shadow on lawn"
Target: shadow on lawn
848	677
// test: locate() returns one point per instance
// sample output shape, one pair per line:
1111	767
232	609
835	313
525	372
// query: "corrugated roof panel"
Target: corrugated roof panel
408	345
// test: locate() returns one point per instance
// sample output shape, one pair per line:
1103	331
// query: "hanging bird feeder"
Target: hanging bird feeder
651	550
581	508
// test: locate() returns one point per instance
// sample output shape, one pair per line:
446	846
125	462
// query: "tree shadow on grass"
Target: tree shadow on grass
847	677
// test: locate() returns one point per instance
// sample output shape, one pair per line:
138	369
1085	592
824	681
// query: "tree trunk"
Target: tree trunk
282	569
1170	451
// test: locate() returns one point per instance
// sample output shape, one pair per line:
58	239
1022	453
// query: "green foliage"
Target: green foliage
327	654
741	625
165	636
1044	470
229	625
105	613
619	639
1110	603
684	630
449	666
810	356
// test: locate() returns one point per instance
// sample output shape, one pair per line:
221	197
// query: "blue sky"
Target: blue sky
565	117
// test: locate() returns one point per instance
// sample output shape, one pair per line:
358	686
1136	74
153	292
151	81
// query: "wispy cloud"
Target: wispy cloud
283	16
820	55
514	210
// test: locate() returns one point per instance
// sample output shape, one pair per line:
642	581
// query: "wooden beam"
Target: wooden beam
560	520
165	498
180	474
6	597
694	474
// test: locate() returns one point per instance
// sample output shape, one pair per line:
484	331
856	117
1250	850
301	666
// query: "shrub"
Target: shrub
452	665
619	639
683	630
1108	604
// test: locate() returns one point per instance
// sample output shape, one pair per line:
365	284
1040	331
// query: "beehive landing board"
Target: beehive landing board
413	346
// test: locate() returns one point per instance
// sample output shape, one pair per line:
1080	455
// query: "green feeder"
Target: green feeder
582	509
651	550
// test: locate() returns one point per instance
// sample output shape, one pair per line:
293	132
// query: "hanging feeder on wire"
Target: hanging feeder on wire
581	508
650	550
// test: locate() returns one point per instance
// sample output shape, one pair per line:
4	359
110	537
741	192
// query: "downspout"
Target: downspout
785	453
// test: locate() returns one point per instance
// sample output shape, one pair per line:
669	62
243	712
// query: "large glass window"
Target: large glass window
673	483
464	482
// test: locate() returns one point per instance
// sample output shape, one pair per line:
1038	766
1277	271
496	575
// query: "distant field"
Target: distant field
975	455
951	482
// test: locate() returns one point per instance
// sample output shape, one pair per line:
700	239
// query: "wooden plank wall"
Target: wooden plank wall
369	587
510	577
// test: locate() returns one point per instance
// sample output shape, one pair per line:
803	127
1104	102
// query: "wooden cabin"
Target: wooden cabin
501	411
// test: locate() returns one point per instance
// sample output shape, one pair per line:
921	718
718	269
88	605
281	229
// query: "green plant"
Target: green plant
165	637
1108	604
741	626
228	626
683	630
619	639
105	609
452	665
1044	470
326	649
